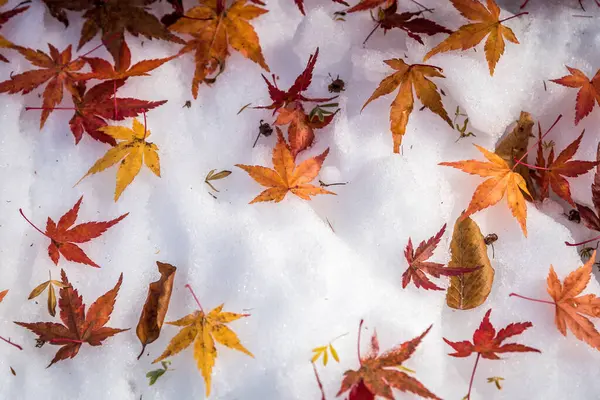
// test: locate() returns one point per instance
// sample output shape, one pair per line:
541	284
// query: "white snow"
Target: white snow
303	283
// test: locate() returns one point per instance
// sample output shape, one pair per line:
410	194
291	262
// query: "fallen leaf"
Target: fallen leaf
419	267
157	373
202	330
112	18
468	250
552	172
3	295
132	149
487	343
589	91
5	16
486	21
57	69
64	236
77	326
514	146
102	69
286	177
379	373
365	5
95	106
214	28
590	218
405	77
49	284
156	306
300	131
502	180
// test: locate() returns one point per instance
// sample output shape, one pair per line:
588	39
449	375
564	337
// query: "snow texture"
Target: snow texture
303	281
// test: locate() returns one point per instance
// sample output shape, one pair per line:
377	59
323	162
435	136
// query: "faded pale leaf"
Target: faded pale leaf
469	251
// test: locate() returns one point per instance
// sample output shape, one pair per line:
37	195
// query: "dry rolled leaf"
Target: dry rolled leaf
155	308
39	289
469	251
514	145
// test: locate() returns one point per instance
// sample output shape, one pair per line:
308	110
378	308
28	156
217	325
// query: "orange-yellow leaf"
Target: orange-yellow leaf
502	180
485	22
405	77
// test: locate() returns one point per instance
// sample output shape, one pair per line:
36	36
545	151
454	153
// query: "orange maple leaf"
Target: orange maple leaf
57	69
571	311
286	177
485	21
502	179
588	94
406	77
213	28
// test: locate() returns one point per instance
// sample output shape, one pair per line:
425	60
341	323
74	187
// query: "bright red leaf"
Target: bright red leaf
418	266
589	91
64	235
487	343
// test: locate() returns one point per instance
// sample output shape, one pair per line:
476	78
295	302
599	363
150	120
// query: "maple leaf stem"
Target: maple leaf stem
539	140
11	343
514	16
584	242
195	298
256	140
371	33
473	376
319	382
31	223
531	166
358	345
530	299
50	108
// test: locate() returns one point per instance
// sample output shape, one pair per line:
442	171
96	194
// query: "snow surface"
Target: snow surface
303	283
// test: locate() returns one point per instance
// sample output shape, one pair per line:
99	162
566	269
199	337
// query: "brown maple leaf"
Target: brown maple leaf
286	177
112	18
57	69
572	310
94	106
419	267
64	236
405	77
552	172
486	21
379	373
214	28
77	326
588	94
102	69
487	343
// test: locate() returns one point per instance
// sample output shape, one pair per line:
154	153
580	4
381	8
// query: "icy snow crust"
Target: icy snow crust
303	283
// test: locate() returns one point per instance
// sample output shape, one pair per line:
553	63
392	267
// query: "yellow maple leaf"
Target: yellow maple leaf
286	177
214	27
502	180
203	330
406	77
130	152
485	21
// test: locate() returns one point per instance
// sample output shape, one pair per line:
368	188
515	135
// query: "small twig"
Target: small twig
323	184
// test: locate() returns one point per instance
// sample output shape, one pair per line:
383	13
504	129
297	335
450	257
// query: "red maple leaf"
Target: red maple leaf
94	107
552	172
281	98
4	18
57	69
488	344
64	235
588	94
418	266
379	374
590	218
102	69
77	327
